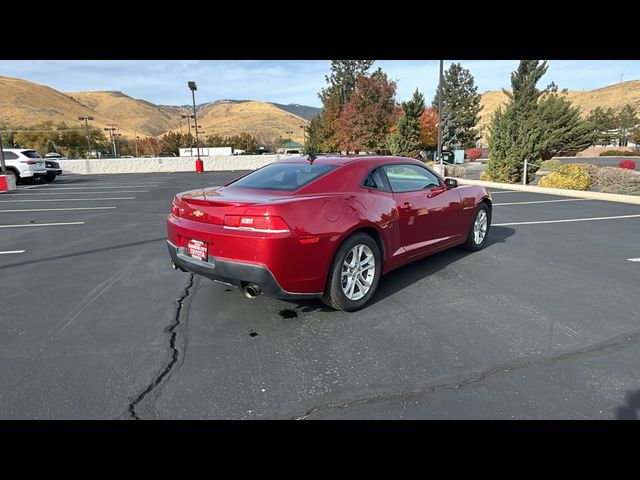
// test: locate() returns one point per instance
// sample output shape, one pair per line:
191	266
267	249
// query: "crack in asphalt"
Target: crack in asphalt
622	340
172	330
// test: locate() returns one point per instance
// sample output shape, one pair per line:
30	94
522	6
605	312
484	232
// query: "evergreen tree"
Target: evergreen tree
515	133
603	122
405	141
461	101
626	120
562	129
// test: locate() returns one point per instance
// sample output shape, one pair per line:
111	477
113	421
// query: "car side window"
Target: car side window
374	180
410	178
10	156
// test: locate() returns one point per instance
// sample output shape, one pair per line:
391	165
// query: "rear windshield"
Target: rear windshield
30	154
284	176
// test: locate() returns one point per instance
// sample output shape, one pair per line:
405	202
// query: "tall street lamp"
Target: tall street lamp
188	122
115	144
136	144
111	131
440	126
86	124
193	87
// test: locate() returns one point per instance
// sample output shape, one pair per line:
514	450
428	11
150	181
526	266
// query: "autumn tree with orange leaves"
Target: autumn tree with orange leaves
366	120
429	128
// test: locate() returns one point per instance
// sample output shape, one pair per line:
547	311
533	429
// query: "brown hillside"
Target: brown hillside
612	96
262	120
24	103
130	114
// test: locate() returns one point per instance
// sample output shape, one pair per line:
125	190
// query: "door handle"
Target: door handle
407	206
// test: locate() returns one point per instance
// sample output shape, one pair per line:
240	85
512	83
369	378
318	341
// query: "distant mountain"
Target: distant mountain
300	110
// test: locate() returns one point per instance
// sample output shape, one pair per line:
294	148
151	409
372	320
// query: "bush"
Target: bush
619	153
486	177
571	177
473	153
618	180
454	171
628	164
550	165
588	168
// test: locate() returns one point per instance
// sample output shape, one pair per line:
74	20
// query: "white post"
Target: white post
524	176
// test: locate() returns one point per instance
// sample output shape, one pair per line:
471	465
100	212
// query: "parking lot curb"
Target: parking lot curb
607	197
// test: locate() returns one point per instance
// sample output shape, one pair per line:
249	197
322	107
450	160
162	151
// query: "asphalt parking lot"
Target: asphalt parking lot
542	323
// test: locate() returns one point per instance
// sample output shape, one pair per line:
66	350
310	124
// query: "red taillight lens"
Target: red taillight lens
258	223
175	210
29	162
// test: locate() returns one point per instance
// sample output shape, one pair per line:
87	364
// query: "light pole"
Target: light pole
3	167
193	87
136	144
115	144
86	124
440	119
111	131
188	122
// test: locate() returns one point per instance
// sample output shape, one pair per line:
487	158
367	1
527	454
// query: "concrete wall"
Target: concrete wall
165	164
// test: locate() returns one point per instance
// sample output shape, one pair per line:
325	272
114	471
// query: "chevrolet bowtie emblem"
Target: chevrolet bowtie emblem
197	213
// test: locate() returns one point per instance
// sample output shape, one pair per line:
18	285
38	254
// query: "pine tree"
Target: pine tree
626	120
603	122
405	141
461	101
562	128
515	133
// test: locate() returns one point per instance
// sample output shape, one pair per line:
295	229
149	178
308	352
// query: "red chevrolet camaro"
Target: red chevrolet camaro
323	227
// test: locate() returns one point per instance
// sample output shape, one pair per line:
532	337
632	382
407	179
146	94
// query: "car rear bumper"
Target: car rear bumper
32	174
54	171
234	273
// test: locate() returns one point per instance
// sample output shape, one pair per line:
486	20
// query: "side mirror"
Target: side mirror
450	183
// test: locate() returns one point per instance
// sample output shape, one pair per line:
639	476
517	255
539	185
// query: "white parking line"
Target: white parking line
80	193
69	199
634	259
507	191
567	220
57	209
544	201
12	251
41	224
96	188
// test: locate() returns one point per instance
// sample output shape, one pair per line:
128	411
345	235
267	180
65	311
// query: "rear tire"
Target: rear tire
49	178
479	229
354	274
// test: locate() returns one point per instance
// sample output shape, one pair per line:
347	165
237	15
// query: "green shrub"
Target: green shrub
620	153
617	180
550	165
571	177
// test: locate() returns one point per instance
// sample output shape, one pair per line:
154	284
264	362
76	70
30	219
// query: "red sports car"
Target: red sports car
323	227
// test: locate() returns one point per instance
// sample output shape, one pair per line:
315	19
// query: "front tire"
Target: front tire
354	273
479	231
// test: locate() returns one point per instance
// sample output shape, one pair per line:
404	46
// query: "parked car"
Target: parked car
52	166
167	154
24	164
323	227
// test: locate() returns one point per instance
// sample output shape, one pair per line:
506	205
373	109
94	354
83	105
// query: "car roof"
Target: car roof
346	159
19	149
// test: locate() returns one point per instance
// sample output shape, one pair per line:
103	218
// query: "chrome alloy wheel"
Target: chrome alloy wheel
358	270
480	227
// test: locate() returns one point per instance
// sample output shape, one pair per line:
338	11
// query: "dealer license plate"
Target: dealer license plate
198	249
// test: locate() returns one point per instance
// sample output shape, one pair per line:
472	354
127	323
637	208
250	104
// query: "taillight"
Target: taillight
175	210
256	223
29	162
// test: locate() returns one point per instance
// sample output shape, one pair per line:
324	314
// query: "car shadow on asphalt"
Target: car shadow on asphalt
631	409
405	276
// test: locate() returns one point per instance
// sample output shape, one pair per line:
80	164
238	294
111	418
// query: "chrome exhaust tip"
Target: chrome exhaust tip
251	291
173	265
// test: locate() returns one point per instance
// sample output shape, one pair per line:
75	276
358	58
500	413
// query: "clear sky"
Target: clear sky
286	81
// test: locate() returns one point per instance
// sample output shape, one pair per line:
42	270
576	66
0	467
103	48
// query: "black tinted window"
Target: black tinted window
409	178
284	176
374	180
10	155
31	154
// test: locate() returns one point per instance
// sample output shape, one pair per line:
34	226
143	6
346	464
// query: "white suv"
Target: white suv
24	163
